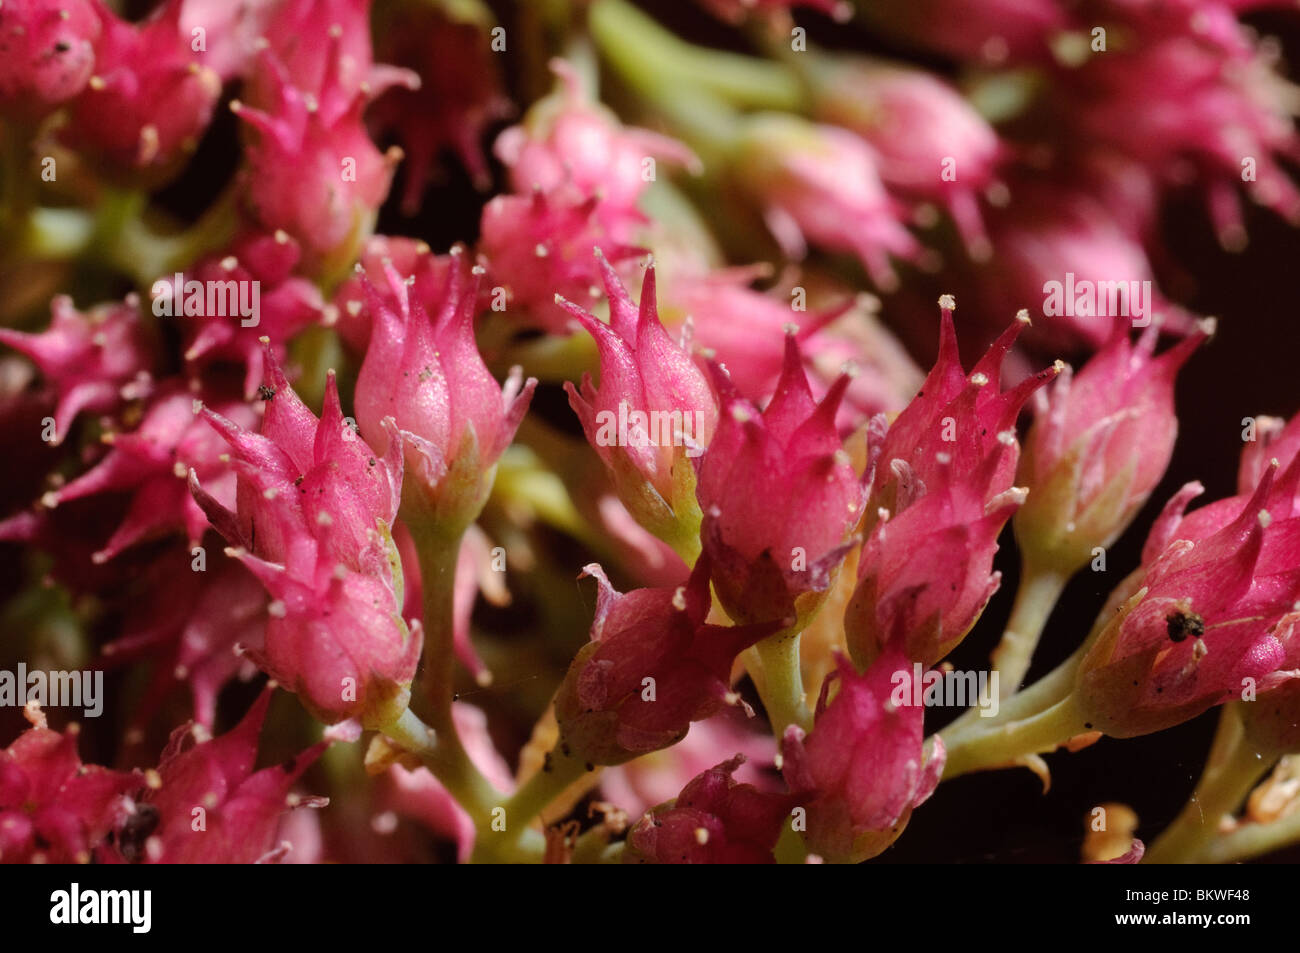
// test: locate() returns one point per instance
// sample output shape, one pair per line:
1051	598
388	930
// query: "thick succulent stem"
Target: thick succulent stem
506	837
782	688
1252	840
437	557
657	61
443	753
1039	590
1001	745
1233	768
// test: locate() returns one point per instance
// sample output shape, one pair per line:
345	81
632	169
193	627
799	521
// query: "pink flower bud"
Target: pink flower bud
153	463
266	300
542	245
313	523
568	139
151	96
309	480
926	575
47	53
714	820
336	639
821	185
200	624
958	420
1272	720
325	48
1283	497
743	327
1100	444
89	358
864	767
940	495
460	91
311	168
652	667
766	557
206	804
653	411
54	809
1211	619
1274	439
1213	110
992	32
930	142
407	256
1076	265
231	33
426	373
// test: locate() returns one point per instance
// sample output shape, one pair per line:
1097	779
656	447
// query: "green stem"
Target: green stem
1038	697
543	788
444	755
982	748
1037	596
684	539
592	846
447	759
1252	840
613	854
661	69
651	55
502	840
783	693
1232	770
790	846
437	557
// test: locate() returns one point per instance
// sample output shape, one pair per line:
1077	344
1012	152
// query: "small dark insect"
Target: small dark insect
136	830
1182	624
265	392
